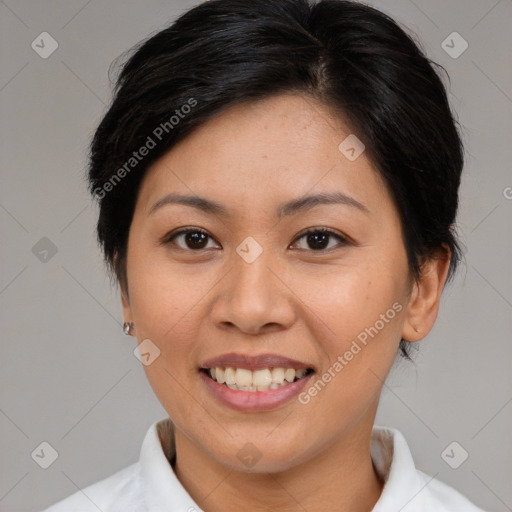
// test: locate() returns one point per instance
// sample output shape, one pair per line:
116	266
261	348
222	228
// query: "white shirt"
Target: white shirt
150	485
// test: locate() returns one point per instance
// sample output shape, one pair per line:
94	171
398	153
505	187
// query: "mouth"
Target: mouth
254	382
261	379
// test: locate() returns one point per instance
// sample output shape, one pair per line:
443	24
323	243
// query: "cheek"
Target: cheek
166	309
164	296
360	307
167	306
349	297
360	345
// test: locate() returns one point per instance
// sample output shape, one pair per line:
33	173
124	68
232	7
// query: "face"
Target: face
256	286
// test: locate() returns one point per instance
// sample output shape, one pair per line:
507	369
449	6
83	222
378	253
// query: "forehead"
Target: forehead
256	153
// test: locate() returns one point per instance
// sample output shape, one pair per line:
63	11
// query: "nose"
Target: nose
253	297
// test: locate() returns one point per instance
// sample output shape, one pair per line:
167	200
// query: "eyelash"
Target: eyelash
324	231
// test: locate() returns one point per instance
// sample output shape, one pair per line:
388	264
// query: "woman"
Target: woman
278	186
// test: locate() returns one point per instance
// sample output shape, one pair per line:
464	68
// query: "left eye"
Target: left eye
318	238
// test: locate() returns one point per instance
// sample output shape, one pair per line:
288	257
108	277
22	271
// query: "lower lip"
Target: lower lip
254	400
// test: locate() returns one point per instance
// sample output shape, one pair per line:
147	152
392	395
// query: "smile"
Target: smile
264	379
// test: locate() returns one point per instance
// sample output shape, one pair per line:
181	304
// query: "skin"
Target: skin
292	300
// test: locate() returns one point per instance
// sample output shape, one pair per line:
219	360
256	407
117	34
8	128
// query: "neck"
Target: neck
341	477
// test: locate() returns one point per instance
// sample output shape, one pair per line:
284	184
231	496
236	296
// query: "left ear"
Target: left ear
423	306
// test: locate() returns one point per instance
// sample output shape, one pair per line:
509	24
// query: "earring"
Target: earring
127	327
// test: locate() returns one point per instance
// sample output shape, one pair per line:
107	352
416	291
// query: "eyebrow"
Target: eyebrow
286	209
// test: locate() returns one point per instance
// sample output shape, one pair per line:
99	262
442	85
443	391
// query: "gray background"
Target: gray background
68	375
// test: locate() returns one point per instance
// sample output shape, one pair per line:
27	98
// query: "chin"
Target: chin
258	454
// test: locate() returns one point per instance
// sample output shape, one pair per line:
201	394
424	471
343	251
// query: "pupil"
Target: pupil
196	239
314	238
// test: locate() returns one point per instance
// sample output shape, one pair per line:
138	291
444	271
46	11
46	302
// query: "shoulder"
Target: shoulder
443	498
120	492
405	487
135	488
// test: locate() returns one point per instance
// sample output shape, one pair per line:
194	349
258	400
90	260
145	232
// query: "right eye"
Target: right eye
193	239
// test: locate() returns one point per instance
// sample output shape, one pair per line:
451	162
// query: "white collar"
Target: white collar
160	483
393	462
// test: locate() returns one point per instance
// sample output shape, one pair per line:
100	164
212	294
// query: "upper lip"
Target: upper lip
254	362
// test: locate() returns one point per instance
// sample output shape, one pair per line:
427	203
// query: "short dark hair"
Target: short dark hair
351	57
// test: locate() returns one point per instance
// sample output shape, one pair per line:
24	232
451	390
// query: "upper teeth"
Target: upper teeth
260	380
